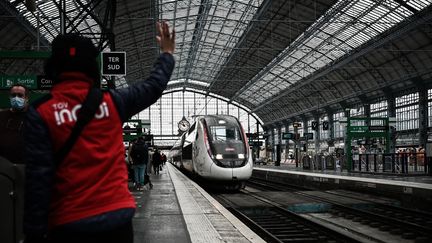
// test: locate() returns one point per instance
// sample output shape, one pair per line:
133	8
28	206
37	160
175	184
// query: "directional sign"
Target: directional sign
358	129
287	135
7	81
308	135
113	63
43	82
256	143
314	125
325	125
378	128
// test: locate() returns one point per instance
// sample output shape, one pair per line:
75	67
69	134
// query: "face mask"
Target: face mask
17	103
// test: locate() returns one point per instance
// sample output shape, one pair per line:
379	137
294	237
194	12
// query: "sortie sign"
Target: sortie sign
7	81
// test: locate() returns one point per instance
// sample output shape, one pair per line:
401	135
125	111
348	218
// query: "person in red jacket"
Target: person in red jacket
84	197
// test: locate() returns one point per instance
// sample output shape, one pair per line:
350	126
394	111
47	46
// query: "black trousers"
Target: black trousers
121	234
156	169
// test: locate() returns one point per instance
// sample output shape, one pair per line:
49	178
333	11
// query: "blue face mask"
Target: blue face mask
17	103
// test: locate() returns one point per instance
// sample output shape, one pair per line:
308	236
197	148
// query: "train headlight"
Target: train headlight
219	156
241	156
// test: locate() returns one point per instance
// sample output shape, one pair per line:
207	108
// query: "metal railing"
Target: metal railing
389	163
396	163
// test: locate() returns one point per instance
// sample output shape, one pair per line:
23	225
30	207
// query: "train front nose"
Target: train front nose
224	171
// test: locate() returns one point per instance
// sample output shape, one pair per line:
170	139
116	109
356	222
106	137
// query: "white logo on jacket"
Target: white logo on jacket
63	114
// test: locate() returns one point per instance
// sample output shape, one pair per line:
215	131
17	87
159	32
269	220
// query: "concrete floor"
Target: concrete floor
158	217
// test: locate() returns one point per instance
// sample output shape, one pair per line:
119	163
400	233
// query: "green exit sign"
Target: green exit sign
359	129
34	82
7	81
287	135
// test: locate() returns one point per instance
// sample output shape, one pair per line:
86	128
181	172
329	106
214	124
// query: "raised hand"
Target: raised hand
165	39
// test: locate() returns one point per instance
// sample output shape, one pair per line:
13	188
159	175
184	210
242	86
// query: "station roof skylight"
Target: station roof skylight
351	24
206	33
47	17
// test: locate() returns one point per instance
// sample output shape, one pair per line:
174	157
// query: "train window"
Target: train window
224	133
192	128
190	137
187	142
187	152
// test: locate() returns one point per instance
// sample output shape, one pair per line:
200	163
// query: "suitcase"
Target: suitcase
147	180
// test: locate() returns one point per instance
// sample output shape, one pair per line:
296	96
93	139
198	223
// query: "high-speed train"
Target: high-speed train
215	148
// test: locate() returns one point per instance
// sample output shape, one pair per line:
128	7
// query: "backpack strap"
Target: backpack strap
85	115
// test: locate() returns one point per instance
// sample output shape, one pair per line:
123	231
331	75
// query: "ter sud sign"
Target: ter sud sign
113	63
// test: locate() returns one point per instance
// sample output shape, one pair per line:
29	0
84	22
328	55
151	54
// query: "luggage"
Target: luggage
147	180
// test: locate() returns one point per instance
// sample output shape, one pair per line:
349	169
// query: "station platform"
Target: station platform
410	190
178	210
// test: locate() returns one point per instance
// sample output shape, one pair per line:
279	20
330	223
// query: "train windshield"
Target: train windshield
227	143
224	133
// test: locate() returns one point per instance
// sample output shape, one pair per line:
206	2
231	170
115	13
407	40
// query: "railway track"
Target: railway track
405	214
407	223
276	224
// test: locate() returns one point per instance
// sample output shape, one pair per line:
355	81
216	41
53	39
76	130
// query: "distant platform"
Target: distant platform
408	189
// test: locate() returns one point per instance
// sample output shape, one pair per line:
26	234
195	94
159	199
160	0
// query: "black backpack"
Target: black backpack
139	153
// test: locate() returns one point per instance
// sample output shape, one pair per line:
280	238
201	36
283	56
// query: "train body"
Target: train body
215	148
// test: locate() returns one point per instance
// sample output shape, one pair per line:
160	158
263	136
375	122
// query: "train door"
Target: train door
200	151
188	148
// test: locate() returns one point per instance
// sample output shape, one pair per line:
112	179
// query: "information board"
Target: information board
287	135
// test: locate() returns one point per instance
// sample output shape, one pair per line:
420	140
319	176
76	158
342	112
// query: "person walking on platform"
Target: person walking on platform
156	161
128	160
76	176
139	156
164	159
150	161
148	171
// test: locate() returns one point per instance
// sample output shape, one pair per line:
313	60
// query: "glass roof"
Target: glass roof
206	33
357	23
49	17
